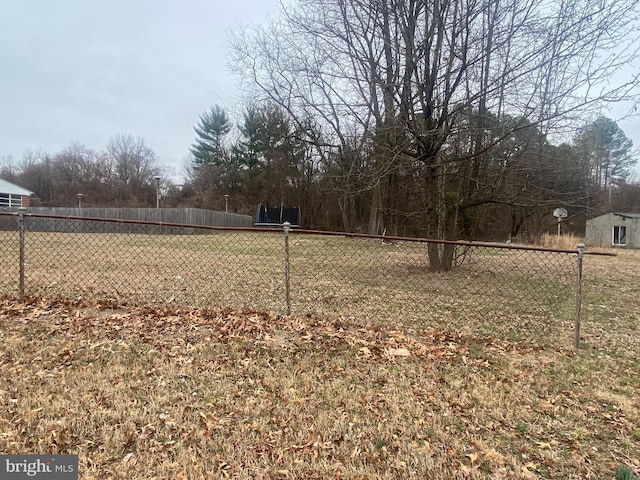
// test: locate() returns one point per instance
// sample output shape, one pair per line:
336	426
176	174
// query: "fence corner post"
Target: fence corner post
576	329
287	284
21	212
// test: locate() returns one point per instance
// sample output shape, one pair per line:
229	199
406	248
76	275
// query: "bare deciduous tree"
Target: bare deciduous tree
133	166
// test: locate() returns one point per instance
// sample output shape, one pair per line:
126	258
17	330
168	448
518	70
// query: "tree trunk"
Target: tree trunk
376	214
345	208
432	218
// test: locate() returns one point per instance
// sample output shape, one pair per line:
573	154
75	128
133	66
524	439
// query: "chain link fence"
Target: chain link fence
490	289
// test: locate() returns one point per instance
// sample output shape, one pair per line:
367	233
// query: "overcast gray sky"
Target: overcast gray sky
83	70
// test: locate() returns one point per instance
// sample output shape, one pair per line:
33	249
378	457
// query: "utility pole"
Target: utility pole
157	178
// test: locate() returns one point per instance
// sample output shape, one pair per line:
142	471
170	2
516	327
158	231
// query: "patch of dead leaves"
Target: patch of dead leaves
171	330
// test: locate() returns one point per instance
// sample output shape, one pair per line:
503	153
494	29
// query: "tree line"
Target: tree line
515	190
120	176
265	159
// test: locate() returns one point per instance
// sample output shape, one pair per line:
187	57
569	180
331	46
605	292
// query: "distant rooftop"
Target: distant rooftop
10	188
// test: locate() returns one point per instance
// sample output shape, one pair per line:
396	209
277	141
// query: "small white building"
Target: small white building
614	230
13	196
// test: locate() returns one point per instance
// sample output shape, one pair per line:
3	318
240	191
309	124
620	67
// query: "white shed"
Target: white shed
614	230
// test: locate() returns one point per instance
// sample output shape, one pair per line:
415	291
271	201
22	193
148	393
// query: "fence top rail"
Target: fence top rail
463	243
138	222
309	232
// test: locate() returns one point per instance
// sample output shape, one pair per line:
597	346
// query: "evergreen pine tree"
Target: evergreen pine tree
208	148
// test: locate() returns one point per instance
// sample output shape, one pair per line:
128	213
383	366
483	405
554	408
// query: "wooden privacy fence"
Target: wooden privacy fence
179	216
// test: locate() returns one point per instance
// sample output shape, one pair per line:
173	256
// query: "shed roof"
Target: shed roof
8	187
627	215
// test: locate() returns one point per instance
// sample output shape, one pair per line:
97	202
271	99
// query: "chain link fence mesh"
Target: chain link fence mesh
9	255
336	275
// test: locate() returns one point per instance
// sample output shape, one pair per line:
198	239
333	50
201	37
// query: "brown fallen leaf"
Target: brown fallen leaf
398	352
527	473
365	352
545	407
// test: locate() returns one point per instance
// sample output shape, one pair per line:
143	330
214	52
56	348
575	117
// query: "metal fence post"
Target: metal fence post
287	228
576	332
21	211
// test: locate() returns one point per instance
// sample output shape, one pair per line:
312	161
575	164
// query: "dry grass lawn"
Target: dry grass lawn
171	392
